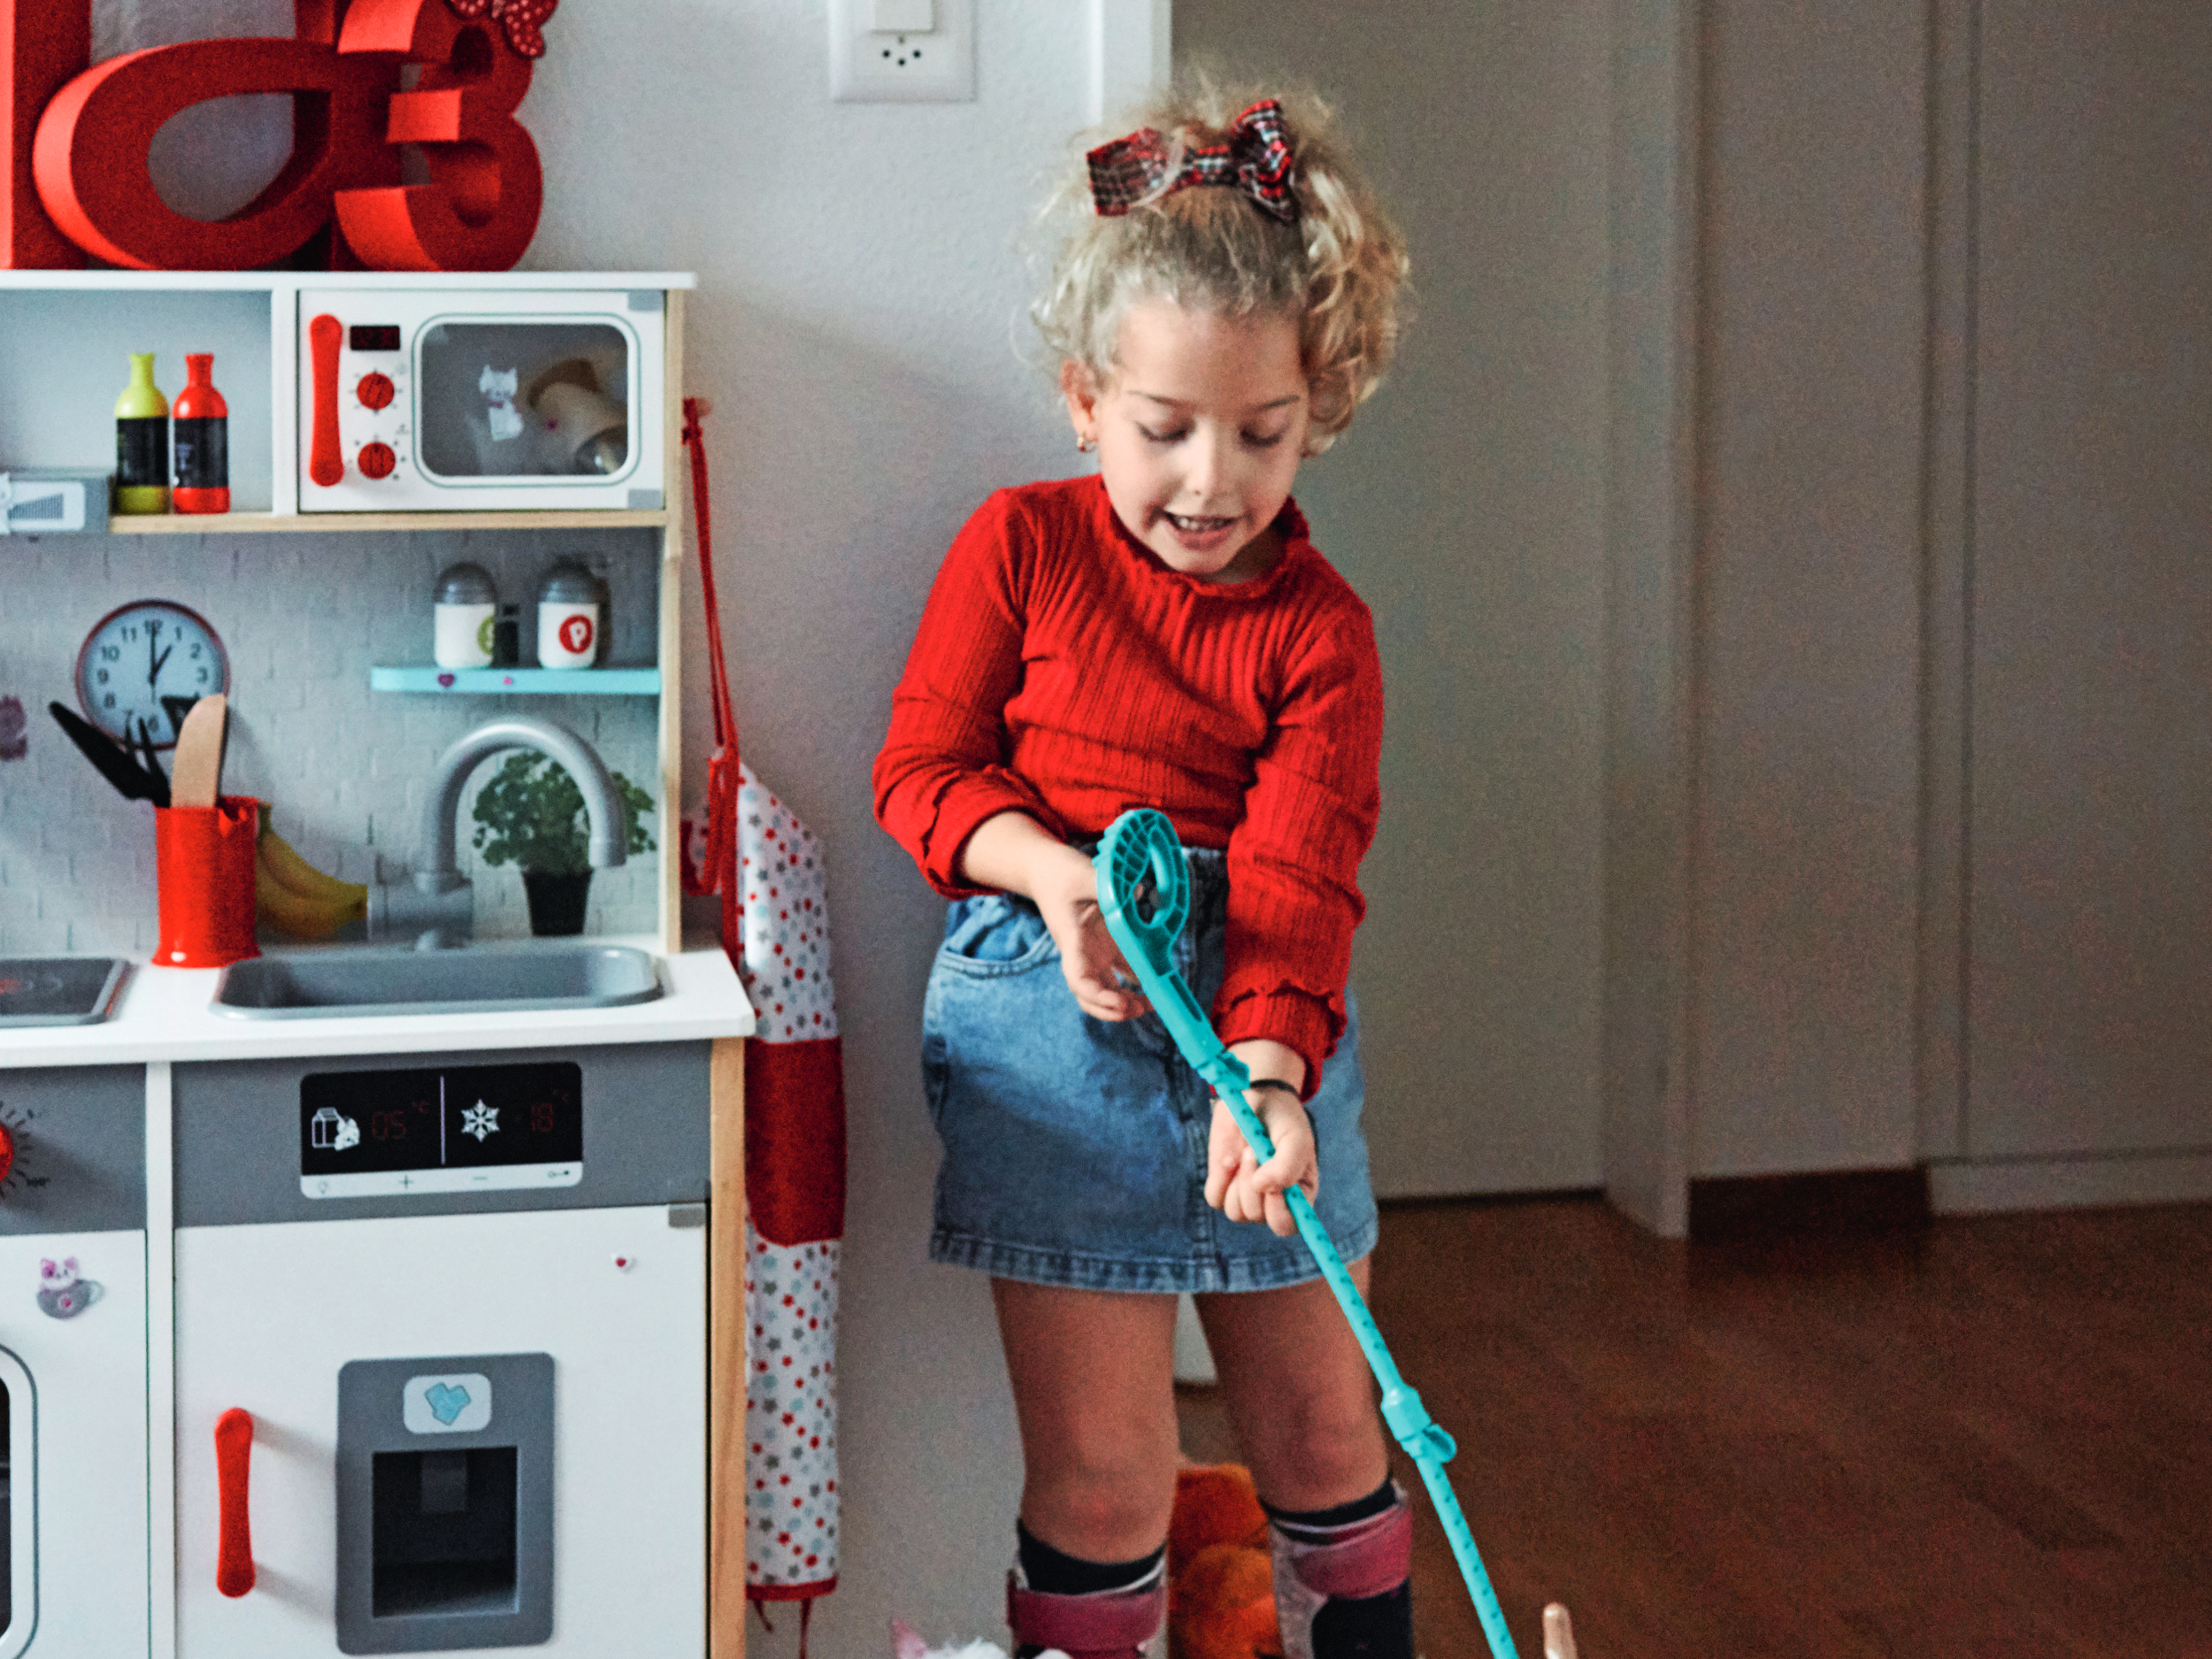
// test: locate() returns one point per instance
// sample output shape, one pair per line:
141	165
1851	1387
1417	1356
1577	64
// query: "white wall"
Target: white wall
855	327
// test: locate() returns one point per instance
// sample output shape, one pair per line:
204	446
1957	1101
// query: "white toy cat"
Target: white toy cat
498	388
905	1644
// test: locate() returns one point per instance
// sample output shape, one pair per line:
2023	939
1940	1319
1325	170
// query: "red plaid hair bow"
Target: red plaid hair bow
523	19
1256	158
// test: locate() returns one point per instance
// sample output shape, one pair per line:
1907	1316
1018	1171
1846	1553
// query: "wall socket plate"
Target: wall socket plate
872	66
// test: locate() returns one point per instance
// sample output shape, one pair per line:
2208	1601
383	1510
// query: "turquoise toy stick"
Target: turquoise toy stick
1144	895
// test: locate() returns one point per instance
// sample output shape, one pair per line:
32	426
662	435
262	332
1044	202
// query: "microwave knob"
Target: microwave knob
7	1151
376	460
375	392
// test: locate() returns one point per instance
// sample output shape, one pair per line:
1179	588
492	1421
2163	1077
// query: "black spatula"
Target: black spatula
132	781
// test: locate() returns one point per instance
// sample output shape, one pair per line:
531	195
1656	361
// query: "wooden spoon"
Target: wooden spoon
195	775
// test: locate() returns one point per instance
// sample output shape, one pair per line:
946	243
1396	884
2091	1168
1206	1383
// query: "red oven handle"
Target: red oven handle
234	1551
326	461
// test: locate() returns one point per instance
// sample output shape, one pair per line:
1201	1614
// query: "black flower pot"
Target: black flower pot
557	902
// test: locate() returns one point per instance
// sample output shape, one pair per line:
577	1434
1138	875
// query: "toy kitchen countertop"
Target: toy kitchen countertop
168	1014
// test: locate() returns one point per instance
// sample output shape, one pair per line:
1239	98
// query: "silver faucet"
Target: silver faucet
440	909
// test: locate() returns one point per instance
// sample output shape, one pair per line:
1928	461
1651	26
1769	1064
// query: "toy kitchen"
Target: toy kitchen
370	1244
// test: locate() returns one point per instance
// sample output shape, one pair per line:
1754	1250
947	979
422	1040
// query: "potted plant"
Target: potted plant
531	813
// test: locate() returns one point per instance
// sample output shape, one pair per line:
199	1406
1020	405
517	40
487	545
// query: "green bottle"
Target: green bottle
142	442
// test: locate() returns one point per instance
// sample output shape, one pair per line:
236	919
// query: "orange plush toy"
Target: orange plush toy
1221	1587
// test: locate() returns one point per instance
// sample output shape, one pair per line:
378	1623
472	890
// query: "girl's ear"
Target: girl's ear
1079	387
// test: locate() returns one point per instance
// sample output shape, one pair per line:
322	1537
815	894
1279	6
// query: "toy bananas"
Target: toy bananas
296	872
298	898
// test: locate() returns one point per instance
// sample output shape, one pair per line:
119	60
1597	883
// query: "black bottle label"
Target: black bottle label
203	445
142	452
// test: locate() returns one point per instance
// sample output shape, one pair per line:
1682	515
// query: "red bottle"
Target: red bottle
200	436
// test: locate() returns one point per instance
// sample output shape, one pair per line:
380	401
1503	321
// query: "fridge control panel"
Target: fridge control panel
448	1129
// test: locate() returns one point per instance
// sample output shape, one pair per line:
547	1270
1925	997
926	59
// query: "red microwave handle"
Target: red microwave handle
326	463
233	1550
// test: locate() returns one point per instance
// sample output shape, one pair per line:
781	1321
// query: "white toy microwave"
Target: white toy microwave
473	399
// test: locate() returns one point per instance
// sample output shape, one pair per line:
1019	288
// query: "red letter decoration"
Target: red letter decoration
89	157
43	44
481	208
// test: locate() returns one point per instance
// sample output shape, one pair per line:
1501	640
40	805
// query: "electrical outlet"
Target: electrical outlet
902	65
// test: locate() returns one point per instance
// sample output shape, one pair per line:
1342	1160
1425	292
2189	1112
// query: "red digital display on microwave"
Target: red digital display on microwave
373	337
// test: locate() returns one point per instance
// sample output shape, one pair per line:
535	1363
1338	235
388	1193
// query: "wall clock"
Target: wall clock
143	664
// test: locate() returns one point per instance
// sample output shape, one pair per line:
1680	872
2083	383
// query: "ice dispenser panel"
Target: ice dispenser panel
445	1503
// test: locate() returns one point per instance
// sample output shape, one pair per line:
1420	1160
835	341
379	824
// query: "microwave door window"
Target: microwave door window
523	400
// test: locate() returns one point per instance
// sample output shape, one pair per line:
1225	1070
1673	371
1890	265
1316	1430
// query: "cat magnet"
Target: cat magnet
62	1294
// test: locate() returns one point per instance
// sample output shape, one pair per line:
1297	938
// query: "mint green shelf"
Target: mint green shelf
522	682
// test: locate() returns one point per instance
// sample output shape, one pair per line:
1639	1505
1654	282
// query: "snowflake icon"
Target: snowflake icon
481	1121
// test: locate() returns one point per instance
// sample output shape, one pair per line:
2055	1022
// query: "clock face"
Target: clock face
143	664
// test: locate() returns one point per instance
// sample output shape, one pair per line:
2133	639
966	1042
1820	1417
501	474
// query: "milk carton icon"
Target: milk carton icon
330	1130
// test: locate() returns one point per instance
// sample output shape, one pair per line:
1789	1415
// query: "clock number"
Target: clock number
203	676
109	701
103	676
111	653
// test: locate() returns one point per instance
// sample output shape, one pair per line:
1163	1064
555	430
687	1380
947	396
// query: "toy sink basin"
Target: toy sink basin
322	984
58	990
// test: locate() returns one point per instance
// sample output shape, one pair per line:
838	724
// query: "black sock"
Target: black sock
1050	1572
1313	1526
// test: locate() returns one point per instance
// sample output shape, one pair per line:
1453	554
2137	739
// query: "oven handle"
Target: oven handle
233	1451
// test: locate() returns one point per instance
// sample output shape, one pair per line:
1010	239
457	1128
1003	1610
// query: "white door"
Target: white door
2090	777
267	1315
72	1363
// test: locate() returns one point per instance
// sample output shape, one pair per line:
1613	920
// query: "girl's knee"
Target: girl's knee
1325	1449
1100	1517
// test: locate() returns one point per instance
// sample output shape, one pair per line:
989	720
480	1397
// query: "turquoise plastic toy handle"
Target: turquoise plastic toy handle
1144	895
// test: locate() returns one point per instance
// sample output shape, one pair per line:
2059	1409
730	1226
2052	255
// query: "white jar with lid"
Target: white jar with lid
569	611
466	603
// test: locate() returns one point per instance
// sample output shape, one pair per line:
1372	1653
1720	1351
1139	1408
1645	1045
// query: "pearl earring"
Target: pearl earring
1086	444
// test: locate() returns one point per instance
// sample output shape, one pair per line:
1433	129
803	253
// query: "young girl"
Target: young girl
1164	634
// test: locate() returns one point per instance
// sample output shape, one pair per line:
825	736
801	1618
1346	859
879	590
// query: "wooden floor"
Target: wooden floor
1990	1437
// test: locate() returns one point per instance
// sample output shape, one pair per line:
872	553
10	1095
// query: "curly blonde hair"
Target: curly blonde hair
1338	269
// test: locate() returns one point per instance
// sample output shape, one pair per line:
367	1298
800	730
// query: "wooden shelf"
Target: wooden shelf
310	523
520	682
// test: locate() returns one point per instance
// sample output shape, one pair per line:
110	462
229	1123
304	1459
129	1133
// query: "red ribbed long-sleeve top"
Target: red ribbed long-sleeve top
1063	671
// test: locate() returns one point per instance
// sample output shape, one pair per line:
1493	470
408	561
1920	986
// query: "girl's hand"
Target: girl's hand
1012	851
1237	1182
1066	896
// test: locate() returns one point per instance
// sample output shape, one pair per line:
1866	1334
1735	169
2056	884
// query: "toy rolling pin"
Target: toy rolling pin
1144	895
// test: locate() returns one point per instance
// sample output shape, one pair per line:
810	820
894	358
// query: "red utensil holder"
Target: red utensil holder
203	858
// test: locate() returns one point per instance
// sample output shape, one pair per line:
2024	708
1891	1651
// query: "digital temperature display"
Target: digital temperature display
373	337
455	1129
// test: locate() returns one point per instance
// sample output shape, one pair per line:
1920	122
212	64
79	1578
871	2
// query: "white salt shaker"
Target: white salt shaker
569	613
465	605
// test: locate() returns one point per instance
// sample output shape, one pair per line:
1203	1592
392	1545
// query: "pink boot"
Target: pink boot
1110	1624
1346	1594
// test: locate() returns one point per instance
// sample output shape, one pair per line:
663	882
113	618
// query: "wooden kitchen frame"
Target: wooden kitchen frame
726	1325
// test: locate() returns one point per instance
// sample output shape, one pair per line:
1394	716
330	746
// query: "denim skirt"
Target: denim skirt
1075	1148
